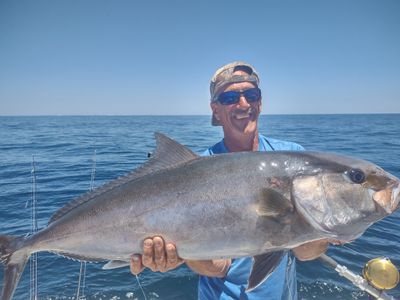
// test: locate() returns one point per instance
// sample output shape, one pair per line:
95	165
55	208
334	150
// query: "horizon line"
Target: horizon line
192	115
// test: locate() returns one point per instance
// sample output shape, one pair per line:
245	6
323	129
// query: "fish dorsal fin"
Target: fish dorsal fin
263	266
168	154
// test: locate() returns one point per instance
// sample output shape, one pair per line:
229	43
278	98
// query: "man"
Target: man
236	106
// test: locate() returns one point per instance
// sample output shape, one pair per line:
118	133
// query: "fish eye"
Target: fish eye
356	175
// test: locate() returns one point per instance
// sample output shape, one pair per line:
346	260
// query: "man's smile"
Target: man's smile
243	114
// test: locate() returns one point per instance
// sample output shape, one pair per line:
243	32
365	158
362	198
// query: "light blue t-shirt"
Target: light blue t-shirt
282	282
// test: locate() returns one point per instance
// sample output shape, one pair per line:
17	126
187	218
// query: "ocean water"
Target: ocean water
64	147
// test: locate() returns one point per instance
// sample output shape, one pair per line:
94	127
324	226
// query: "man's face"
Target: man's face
241	118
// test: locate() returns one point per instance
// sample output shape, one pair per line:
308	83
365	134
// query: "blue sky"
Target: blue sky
157	57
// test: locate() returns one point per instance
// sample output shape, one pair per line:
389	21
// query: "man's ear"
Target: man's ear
215	110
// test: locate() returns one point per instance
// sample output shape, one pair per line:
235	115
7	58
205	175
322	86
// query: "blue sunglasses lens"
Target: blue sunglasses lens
252	95
232	97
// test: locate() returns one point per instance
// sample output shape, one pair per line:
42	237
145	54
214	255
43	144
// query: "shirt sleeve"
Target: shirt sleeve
299	147
206	153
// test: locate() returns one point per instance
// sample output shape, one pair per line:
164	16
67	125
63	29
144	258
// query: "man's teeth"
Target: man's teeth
242	116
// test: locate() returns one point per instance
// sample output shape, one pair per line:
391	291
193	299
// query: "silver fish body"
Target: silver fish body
230	205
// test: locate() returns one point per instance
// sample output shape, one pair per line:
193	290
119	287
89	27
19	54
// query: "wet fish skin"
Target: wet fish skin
209	209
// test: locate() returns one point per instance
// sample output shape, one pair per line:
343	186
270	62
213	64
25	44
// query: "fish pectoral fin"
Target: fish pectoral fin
263	266
273	204
115	264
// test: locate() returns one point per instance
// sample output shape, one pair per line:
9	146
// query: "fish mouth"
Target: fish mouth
396	198
388	198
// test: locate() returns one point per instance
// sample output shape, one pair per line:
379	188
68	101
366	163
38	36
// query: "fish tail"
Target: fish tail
14	257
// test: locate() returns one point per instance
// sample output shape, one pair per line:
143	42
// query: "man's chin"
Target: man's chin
245	126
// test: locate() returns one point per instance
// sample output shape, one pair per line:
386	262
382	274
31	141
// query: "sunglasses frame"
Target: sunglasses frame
238	95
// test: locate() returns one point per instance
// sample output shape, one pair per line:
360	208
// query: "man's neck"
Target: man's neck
244	143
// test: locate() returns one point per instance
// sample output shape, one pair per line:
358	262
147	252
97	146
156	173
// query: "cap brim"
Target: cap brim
235	79
214	121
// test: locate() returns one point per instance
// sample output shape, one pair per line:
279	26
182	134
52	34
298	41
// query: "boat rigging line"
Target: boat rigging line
80	293
33	261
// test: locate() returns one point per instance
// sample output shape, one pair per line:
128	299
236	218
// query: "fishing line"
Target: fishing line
33	261
79	282
140	286
81	279
82	269
84	280
93	173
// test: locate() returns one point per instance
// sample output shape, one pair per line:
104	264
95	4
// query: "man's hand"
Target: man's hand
157	256
313	250
161	257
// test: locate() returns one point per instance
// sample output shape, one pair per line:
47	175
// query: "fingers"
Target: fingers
148	254
172	256
136	264
173	260
157	256
337	242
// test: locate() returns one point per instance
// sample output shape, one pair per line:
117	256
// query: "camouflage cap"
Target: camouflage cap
224	76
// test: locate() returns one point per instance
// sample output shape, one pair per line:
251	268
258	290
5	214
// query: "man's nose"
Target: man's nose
243	101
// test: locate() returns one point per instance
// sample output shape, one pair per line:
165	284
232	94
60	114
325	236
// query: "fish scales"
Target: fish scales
229	205
196	196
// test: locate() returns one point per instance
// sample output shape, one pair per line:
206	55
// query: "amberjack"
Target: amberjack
257	204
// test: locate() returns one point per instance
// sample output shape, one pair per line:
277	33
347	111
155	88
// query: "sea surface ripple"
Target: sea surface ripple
63	148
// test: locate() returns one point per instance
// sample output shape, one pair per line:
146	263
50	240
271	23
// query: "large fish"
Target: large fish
231	205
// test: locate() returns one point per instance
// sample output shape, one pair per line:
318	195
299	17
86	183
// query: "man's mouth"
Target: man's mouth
242	114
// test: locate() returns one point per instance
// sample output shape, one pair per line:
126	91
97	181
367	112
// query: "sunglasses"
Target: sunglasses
233	97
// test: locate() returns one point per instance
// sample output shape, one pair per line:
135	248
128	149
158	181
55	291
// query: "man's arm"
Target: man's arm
211	268
161	257
311	250
158	256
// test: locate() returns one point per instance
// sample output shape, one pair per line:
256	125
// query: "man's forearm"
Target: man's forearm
311	250
211	268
